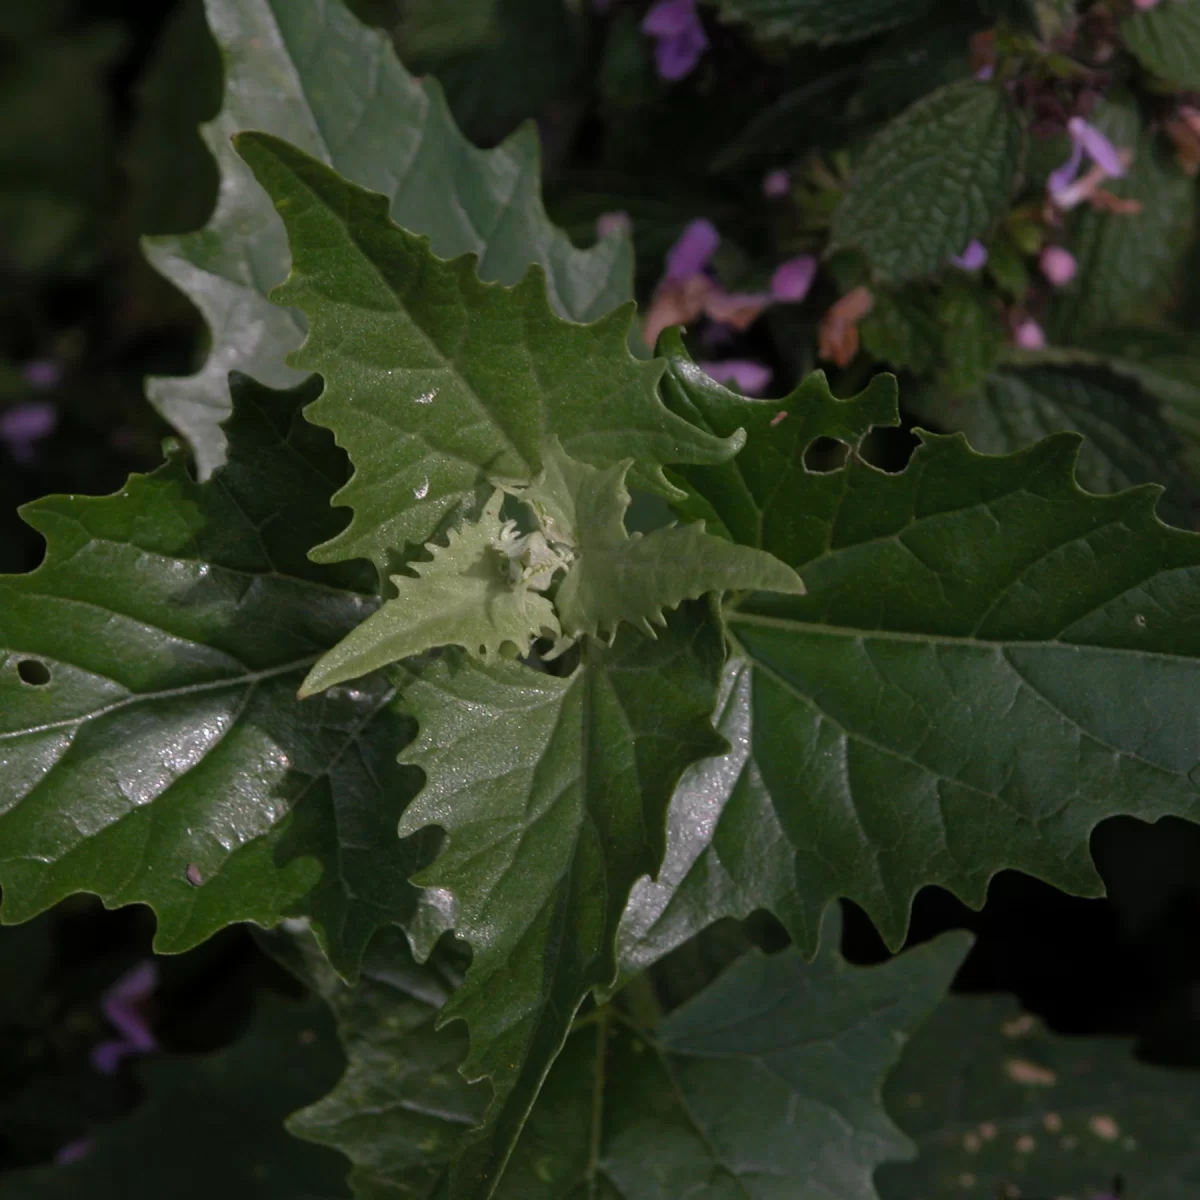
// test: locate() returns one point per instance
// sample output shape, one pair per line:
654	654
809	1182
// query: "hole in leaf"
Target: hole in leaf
825	454
33	672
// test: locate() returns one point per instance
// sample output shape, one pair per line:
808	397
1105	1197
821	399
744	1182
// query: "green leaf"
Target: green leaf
934	179
988	663
306	70
401	1109
973	337
1128	438
1128	264
821	21
1166	40
768	1078
902	330
614	577
462	597
988	1093
437	382
150	728
552	792
213	1125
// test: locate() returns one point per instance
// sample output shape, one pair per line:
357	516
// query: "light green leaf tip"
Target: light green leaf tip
463	597
620	577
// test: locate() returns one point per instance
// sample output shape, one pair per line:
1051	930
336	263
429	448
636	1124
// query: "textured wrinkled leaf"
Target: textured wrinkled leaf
306	70
1127	263
552	792
988	1093
461	597
988	663
436	381
933	179
1166	40
401	1108
768	1078
618	578
973	338
902	331
174	622
1129	440
822	21
213	1126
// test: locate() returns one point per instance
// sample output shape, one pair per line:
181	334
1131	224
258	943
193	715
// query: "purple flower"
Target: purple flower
23	425
776	183
693	249
793	279
748	376
1029	336
1085	140
1058	265
42	374
123	1004
679	36
972	258
73	1151
613	222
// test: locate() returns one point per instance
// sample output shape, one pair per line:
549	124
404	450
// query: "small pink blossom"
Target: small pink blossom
610	223
692	249
24	425
74	1151
973	258
793	279
1058	265
1145	4
42	374
776	184
124	1003
1108	163
1028	335
679	37
750	377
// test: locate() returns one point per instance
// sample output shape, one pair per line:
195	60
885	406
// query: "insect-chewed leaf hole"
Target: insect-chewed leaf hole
33	672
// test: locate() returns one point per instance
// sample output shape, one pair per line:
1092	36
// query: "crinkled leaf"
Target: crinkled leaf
553	793
461	597
973	337
1166	40
936	177
988	662
902	330
768	1078
213	1125
308	71
616	577
1128	263
821	21
401	1109
175	621
987	1092
436	381
1128	437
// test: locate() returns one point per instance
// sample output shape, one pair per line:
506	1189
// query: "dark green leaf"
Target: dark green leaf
995	1101
934	179
988	663
213	1126
821	21
552	792
1128	438
1127	263
768	1079
973	338
307	70
902	330
174	622
437	382
1166	40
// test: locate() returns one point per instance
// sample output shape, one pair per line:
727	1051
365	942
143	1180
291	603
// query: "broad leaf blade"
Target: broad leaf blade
988	663
1128	438
934	179
309	72
175	621
989	1094
552	792
1166	40
822	21
437	382
213	1125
